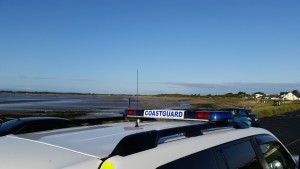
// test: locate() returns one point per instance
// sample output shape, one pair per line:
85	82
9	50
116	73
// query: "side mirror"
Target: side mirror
276	165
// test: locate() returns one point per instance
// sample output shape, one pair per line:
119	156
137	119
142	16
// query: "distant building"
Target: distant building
258	95
283	94
289	96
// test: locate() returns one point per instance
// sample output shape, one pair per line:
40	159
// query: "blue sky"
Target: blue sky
177	46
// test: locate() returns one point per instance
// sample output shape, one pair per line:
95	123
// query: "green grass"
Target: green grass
270	110
267	108
204	106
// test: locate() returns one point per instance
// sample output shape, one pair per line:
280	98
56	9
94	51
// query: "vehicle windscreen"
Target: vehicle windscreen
250	112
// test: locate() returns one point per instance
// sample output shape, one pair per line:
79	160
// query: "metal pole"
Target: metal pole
129	103
137	89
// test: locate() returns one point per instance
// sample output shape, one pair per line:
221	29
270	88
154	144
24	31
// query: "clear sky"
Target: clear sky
177	46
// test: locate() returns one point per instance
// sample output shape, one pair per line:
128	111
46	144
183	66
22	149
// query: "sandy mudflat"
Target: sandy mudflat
19	105
77	106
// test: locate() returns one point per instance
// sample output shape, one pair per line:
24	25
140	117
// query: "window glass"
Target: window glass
243	113
202	159
250	112
235	112
276	157
241	155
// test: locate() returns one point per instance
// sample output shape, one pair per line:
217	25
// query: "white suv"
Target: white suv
146	145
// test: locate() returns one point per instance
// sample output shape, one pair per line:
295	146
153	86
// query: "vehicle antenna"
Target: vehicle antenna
137	88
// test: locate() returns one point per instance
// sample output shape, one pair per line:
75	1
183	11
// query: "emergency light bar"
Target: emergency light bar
209	116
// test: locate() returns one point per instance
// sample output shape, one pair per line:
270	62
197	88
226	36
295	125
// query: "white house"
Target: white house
289	96
257	95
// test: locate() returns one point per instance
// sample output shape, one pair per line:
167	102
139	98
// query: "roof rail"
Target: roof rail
149	139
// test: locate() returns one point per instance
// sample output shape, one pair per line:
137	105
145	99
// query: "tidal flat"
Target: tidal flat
76	106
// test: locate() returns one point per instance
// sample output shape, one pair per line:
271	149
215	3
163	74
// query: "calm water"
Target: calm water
91	103
12	102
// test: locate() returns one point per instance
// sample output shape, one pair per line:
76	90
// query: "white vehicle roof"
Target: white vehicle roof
20	153
84	147
97	141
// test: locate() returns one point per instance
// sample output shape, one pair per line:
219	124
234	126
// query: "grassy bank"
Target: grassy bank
264	111
263	108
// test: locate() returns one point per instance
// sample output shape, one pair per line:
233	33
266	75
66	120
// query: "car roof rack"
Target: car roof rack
138	142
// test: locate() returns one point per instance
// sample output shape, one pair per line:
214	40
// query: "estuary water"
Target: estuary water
31	102
88	103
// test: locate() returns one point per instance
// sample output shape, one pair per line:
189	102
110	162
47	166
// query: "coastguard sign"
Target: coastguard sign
166	114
